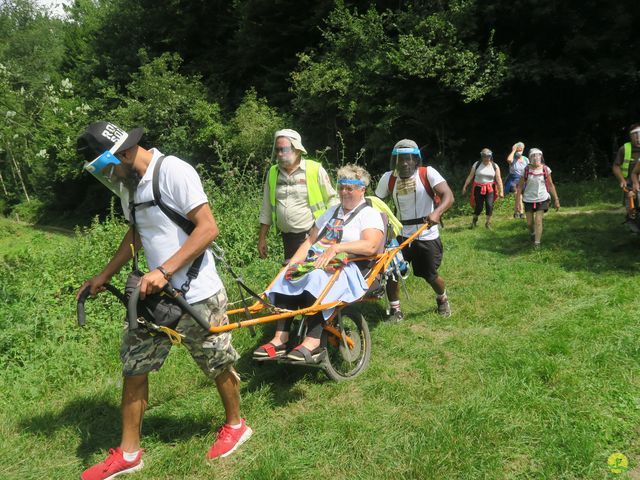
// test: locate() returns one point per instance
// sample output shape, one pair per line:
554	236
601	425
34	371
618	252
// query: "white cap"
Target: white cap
296	139
533	151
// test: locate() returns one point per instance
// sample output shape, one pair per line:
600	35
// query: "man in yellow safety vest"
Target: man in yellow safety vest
623	167
296	192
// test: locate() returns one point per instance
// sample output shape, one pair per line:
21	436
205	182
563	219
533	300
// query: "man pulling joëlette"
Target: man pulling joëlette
115	158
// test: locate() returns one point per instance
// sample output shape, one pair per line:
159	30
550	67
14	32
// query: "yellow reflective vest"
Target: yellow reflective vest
627	160
316	193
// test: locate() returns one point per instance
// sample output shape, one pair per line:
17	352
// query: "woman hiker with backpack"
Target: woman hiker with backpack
536	189
487	186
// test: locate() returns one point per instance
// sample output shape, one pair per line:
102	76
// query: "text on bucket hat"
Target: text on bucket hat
102	136
296	139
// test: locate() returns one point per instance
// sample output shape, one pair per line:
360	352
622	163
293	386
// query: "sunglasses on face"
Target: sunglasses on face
348	188
283	149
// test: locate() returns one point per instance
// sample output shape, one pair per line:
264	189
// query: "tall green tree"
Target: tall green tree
38	109
378	75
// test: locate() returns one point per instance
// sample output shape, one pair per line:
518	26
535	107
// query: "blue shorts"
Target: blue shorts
511	182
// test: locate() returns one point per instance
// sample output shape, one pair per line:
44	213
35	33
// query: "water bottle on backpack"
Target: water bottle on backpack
398	265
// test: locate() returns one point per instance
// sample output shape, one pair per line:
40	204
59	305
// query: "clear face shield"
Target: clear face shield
405	161
103	168
535	157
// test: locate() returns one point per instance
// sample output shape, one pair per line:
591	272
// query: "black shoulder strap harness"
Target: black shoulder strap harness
335	215
184	223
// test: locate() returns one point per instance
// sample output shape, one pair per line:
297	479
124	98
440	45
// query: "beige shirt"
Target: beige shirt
293	214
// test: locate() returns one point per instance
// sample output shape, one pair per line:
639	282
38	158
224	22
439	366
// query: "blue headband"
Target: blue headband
406	150
352	181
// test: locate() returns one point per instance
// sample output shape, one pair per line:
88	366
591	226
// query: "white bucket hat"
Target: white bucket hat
296	139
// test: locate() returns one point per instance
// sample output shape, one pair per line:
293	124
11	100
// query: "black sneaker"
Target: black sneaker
395	316
444	308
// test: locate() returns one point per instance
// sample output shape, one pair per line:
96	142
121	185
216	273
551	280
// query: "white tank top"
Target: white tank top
484	173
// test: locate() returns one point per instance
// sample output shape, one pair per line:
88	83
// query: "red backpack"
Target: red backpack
545	172
422	173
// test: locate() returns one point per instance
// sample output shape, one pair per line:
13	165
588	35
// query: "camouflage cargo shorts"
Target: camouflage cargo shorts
143	351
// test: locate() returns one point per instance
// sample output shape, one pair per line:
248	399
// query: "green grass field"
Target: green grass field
535	375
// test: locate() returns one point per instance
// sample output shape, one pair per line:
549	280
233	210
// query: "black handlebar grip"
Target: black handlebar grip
132	308
80	308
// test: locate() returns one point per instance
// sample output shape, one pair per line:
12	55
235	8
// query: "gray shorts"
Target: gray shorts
143	351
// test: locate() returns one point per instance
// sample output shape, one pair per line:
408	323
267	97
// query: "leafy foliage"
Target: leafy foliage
210	81
408	57
173	108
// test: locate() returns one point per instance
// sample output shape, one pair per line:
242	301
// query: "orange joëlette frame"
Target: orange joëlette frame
382	263
631	200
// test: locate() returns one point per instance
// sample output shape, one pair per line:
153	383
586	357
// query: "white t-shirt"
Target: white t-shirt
536	189
366	218
182	191
412	200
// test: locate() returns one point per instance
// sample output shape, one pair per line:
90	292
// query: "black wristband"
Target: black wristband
166	274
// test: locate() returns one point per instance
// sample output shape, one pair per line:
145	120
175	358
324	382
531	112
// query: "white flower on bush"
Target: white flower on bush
42	154
66	85
10	114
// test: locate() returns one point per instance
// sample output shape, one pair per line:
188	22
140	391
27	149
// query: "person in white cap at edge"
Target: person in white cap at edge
116	160
415	190
624	170
297	191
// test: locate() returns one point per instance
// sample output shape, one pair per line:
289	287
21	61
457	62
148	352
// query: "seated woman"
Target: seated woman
352	228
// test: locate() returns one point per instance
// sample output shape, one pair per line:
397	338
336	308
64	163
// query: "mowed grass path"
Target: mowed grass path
535	375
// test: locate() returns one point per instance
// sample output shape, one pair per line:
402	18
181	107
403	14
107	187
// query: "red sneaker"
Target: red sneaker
229	439
113	466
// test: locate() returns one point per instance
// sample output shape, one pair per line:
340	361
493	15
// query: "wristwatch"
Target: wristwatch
166	274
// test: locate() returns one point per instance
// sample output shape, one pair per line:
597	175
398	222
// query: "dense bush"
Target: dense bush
351	76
